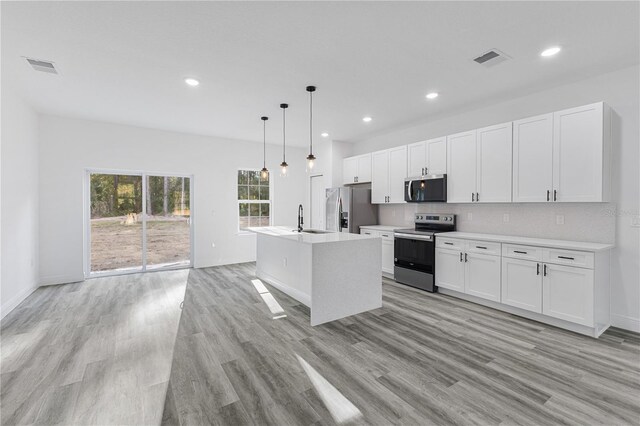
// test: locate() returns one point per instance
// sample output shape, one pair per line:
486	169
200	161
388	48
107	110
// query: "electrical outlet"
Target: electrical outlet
284	261
469	216
635	221
560	219
505	217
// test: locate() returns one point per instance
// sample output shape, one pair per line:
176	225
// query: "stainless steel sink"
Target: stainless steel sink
315	231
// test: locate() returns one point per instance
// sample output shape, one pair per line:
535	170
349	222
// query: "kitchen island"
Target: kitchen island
335	274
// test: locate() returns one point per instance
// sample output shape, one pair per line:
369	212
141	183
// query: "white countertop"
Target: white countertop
388	228
510	239
289	233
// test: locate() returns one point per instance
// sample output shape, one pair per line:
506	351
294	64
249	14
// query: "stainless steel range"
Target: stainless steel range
415	250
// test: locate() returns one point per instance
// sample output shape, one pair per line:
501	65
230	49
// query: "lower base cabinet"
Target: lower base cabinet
568	294
522	284
553	284
387	247
482	276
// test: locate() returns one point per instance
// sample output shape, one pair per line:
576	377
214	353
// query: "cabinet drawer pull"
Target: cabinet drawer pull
447	243
521	252
566	257
480	247
385	235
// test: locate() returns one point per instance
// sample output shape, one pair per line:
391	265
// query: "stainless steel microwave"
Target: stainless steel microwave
426	189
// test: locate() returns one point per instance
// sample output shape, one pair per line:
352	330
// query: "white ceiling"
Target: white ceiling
125	61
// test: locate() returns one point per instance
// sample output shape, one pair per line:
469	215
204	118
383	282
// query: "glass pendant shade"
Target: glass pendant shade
311	159
284	169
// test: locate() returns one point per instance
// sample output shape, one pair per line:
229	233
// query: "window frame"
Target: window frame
241	231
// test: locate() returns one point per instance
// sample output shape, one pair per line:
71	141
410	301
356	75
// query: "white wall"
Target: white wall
589	222
19	165
69	146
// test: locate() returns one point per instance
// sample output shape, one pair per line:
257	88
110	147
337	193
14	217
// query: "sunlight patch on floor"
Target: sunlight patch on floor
276	310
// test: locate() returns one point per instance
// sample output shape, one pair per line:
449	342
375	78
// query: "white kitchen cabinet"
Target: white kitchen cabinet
379	177
493	170
416	159
436	156
397	173
522	284
427	157
532	159
387	247
466	271
562	283
482	276
568	293
449	269
461	167
581	154
389	169
387	256
356	169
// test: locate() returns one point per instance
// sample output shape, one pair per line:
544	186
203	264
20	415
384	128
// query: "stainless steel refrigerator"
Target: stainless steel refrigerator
349	208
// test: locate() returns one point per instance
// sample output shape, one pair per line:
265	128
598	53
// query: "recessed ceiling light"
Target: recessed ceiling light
324	135
191	81
550	51
432	95
367	119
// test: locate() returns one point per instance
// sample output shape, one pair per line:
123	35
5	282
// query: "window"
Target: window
254	203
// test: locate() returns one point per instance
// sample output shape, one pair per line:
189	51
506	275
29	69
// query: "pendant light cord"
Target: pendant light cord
264	144
284	139
310	123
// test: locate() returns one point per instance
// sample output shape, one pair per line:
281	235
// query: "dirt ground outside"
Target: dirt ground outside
115	245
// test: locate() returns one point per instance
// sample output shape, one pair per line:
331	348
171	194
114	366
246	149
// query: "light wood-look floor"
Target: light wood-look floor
420	359
96	352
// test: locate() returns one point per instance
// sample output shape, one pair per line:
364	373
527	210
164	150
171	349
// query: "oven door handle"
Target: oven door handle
409	197
413	237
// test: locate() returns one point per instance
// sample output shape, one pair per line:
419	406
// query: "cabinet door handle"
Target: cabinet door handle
545	270
555	195
548	193
477	197
566	257
473	196
465	257
423	171
461	257
480	247
448	243
521	252
426	170
537	269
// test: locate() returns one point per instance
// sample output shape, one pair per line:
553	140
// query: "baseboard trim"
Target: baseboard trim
15	301
625	322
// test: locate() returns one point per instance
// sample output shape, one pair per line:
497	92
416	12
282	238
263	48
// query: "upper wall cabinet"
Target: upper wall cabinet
479	165
461	165
389	171
581	153
493	170
356	169
532	159
563	156
427	157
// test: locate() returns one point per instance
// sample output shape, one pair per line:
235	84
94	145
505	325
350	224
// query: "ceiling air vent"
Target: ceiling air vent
43	66
491	58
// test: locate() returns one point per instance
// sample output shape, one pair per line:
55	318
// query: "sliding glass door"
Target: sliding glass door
168	221
137	222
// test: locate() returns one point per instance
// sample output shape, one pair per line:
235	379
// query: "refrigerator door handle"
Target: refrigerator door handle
339	214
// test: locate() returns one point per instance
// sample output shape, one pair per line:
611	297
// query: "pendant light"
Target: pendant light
310	158
284	165
264	173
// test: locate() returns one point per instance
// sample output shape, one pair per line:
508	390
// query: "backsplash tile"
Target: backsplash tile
592	222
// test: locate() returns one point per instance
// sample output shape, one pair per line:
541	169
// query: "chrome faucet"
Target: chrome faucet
300	217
